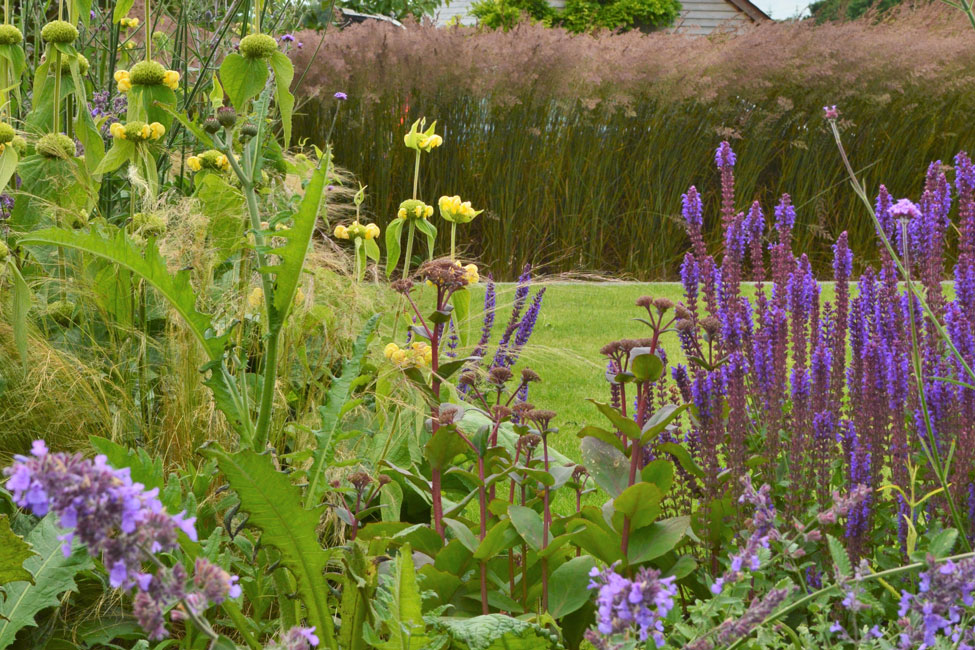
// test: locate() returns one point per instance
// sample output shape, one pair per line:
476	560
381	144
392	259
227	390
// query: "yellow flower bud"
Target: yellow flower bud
120	75
390	349
401	214
158	130
341	232
124	85
129	45
117	130
194	163
398	357
145	132
471	275
372	231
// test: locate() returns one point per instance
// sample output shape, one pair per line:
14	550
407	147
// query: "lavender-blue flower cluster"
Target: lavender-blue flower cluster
121	522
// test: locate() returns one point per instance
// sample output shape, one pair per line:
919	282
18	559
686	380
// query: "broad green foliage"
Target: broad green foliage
150	266
274	506
15	551
496	632
53	574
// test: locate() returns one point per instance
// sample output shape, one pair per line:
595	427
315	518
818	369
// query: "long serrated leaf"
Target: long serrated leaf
273	504
284	74
292	254
840	557
21	299
53	575
338	395
151	267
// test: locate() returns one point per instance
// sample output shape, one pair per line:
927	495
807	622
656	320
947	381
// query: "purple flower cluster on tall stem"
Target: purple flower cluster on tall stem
801	372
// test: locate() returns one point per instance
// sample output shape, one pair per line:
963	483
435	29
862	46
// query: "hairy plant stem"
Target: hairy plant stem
260	438
482	503
453	241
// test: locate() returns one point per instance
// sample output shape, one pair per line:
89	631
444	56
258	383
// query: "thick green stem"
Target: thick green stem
409	250
453	241
57	90
260	439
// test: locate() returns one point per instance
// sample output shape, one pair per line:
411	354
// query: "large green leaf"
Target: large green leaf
284	73
15	551
528	523
338	396
292	254
569	586
273	504
242	78
53	575
151	267
394	232
407	631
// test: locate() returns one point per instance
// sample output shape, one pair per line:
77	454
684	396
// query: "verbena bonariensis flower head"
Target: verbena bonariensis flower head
635	606
945	590
120	521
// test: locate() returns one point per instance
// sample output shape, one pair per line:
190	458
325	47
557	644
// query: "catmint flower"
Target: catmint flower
341	96
633	606
830	112
120	521
287	38
944	591
297	638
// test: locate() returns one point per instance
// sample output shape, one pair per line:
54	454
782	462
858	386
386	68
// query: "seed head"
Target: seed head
499	376
59	31
147	73
211	125
56	145
10	35
528	375
258	46
360	480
